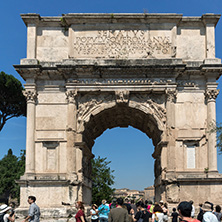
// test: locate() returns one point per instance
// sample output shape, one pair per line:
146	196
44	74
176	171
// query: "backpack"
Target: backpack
141	217
113	205
200	215
1	217
156	217
151	208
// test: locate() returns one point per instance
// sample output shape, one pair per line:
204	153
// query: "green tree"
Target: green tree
12	100
102	180
219	136
11	168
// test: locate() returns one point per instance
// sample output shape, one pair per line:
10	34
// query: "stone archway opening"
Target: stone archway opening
130	154
124	115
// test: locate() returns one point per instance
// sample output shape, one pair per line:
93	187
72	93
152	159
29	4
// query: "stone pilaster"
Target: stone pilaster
71	129
31	97
171	98
72	109
170	110
211	95
79	170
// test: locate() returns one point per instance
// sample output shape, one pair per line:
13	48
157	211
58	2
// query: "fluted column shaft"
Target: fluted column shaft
71	129
31	97
211	96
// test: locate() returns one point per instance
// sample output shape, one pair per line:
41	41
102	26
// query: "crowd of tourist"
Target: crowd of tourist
126	211
145	211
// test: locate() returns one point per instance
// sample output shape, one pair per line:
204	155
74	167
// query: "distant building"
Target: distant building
149	193
127	193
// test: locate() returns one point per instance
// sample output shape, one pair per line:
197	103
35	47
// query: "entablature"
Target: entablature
118	72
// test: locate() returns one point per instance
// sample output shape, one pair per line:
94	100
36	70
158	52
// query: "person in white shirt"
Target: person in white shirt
6	212
193	209
208	215
94	213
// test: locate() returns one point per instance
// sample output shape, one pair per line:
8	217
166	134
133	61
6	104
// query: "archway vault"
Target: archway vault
140	111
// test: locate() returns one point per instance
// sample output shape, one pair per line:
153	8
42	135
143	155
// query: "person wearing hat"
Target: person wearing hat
94	213
184	209
103	211
5	213
208	214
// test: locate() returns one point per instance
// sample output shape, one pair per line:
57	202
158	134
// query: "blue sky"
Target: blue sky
129	149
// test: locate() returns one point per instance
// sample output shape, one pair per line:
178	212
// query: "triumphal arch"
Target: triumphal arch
86	73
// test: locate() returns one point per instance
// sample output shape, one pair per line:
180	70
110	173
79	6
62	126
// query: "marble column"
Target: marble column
71	130
31	97
211	95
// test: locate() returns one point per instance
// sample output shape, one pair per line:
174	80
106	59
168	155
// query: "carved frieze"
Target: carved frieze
159	111
212	94
131	81
71	96
89	102
31	96
122	44
122	96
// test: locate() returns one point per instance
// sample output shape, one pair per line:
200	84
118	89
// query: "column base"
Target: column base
62	214
50	191
199	187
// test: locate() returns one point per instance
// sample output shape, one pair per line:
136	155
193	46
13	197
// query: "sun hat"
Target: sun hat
4	208
206	207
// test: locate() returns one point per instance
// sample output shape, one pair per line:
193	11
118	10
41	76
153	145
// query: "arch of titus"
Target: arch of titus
86	73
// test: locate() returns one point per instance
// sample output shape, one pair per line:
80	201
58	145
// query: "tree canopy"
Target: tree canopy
102	180
11	168
219	136
12	100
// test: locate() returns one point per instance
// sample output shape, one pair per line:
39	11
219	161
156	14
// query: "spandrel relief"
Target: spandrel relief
122	44
87	103
153	103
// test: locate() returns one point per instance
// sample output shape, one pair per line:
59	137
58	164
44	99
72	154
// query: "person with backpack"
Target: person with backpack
113	204
150	206
5	214
103	211
174	215
218	213
142	214
119	213
158	214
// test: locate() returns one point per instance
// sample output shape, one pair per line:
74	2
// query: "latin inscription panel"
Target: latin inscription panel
122	44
